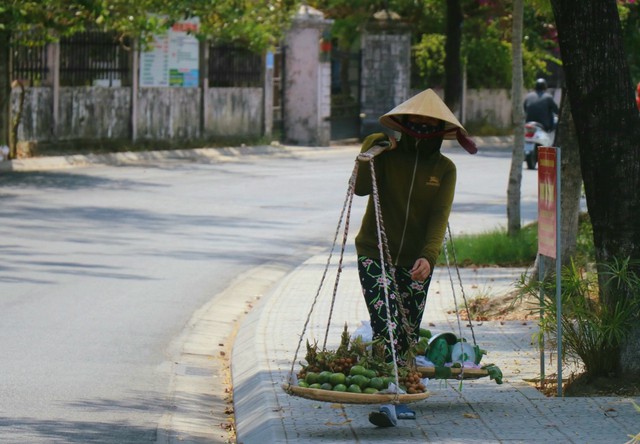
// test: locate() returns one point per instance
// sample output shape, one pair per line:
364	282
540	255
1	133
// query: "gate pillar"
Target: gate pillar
386	69
307	80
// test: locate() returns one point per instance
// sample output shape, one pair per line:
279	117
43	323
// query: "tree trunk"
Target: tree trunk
608	129
517	156
5	87
452	63
571	186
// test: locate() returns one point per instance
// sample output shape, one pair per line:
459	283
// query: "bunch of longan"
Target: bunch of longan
342	365
411	382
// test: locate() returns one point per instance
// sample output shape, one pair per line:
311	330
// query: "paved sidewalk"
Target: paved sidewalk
482	411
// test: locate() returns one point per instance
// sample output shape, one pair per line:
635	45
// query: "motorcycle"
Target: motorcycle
534	136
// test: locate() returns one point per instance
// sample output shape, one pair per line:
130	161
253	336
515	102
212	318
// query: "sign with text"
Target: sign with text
173	59
547	199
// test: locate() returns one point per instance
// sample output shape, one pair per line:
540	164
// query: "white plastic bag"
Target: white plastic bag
364	331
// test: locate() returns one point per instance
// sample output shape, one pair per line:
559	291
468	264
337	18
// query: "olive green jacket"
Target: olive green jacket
416	185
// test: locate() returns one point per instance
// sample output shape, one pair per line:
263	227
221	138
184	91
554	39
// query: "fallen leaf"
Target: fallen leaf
347	421
471	415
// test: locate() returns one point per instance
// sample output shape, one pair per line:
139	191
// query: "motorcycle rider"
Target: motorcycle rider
540	107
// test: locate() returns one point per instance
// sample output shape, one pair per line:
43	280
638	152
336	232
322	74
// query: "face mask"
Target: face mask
424	129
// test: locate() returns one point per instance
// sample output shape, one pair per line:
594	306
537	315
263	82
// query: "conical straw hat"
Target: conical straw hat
427	103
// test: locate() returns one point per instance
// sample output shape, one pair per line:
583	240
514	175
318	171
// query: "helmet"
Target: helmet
541	84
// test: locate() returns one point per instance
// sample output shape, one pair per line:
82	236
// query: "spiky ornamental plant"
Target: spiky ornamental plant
592	330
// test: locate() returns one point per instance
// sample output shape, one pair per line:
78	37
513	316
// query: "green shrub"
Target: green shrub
429	58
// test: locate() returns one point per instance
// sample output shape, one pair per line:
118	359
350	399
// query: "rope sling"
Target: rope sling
345	216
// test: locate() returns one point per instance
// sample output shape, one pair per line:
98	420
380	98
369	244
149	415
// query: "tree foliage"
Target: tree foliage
429	58
257	24
486	36
351	16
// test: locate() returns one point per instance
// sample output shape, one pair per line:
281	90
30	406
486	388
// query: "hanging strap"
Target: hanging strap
384	254
464	298
346	208
455	301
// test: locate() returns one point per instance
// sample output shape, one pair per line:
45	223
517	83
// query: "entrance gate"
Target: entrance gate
345	94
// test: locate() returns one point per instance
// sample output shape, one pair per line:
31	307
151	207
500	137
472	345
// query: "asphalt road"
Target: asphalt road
103	267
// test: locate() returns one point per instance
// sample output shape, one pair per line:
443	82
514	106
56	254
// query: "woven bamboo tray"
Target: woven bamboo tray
352	398
467	373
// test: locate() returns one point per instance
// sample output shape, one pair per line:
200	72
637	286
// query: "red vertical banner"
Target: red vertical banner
547	197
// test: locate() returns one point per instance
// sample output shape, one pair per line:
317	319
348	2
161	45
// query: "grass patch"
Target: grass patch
482	128
498	249
494	248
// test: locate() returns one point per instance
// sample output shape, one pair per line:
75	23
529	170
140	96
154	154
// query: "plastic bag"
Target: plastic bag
364	331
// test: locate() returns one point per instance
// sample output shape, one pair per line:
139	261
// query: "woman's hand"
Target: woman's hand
421	270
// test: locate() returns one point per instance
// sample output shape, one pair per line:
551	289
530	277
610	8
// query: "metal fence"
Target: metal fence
234	66
30	64
102	59
95	59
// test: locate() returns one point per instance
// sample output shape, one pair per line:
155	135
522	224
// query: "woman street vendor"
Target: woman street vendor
416	185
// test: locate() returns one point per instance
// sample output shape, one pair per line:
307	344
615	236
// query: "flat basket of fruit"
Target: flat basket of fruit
354	398
355	373
444	356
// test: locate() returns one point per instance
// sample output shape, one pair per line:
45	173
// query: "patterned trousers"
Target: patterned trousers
412	295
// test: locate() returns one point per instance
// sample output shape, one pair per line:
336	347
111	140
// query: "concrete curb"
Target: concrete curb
79	160
195	154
